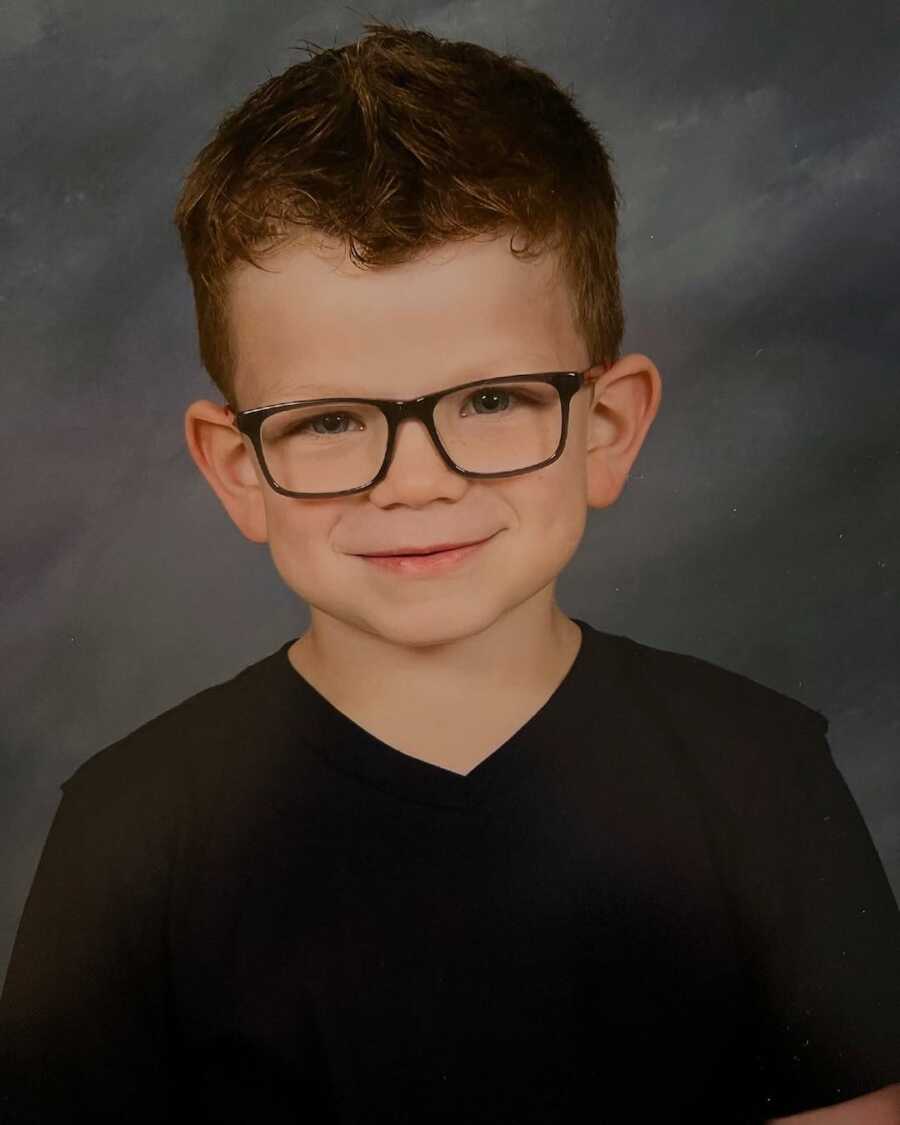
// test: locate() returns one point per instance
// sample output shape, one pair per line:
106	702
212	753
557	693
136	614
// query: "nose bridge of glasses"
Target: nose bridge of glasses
417	410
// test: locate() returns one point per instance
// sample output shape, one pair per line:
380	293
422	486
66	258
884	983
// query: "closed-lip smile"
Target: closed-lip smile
422	550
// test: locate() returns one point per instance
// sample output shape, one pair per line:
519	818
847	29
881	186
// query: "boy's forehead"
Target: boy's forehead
312	323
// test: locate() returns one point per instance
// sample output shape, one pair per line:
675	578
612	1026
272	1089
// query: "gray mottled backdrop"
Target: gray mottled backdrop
756	145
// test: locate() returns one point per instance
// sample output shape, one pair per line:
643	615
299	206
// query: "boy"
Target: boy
451	856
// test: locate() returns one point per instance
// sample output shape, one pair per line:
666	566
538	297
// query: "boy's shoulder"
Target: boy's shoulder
693	685
742	740
197	745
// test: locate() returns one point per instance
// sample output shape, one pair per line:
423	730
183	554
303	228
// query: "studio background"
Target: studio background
756	146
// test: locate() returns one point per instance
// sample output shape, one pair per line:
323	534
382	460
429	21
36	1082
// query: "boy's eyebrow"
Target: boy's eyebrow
470	373
304	390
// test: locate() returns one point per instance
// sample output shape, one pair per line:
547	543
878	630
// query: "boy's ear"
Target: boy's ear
625	400
228	462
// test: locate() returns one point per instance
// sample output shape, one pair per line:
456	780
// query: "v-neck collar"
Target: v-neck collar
353	750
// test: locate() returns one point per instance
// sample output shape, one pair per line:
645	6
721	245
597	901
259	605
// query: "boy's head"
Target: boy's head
429	164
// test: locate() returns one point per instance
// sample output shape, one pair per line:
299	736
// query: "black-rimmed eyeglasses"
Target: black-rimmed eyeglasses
484	428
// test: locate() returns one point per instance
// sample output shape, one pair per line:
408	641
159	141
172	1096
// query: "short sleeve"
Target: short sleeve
823	929
83	1009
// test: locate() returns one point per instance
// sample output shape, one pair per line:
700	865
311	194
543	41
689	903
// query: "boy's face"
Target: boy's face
313	325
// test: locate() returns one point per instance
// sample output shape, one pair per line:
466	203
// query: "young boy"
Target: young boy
450	856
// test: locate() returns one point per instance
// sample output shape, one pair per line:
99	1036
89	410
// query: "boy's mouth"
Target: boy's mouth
429	562
412	551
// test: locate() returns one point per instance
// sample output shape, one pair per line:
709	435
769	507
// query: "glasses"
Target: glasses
487	428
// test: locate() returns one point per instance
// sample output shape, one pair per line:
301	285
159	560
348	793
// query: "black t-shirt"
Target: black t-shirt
657	901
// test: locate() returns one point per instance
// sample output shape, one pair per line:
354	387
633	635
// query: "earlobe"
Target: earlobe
220	453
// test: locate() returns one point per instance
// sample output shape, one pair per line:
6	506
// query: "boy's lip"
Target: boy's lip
423	550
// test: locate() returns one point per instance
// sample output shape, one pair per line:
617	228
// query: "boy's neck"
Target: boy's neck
453	714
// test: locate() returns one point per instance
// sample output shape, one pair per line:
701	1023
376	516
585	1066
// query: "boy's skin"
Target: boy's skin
444	668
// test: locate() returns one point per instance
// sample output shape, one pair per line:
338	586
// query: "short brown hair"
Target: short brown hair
393	145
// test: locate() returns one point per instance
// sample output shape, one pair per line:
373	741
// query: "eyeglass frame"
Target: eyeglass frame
249	422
